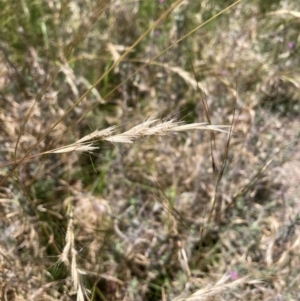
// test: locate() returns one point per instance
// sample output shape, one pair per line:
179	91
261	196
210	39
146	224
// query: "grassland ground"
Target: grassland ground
111	186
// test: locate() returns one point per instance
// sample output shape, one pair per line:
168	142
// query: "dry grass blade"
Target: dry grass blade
201	126
69	251
97	135
186	76
295	14
211	291
77	147
151	127
148	128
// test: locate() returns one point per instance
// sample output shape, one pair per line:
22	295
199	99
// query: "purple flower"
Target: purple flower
161	1
292	45
224	72
234	275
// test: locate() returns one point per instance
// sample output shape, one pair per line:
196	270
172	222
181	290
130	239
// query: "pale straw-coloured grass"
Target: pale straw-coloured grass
252	239
211	291
150	127
69	252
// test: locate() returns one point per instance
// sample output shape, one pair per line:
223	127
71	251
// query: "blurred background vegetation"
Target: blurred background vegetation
158	219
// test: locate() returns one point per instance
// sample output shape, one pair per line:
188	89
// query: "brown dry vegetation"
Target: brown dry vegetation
99	201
